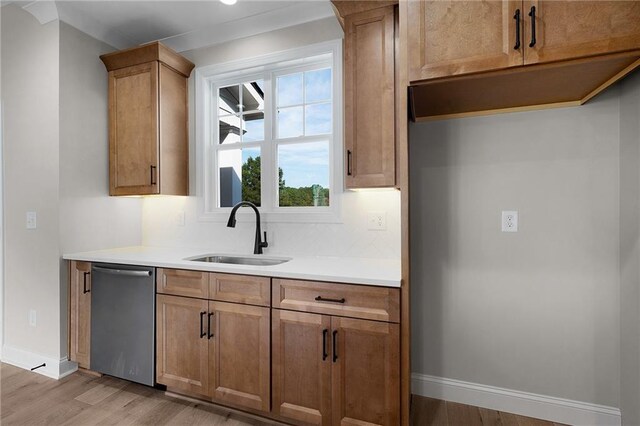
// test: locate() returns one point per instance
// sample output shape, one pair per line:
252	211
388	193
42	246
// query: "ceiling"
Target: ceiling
182	25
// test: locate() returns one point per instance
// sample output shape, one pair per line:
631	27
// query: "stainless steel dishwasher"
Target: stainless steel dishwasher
123	322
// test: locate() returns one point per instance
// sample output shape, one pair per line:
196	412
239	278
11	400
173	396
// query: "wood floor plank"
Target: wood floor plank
530	421
84	400
428	412
460	414
490	417
508	419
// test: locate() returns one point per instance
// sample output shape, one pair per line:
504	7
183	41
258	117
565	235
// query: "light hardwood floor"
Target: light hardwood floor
28	398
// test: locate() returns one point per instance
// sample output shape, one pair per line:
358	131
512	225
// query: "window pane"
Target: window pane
229	127
317	85
228	100
253	127
317	119
303	171
239	176
253	96
289	122
290	90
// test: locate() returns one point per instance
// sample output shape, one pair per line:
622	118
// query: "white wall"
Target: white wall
629	249
534	311
350	238
89	218
30	93
54	90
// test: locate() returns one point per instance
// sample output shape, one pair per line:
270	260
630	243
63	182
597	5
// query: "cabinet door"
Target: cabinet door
571	29
458	37
369	99
80	316
301	368
239	359
182	348
365	372
133	130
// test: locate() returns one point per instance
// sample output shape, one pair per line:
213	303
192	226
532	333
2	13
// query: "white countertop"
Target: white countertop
378	272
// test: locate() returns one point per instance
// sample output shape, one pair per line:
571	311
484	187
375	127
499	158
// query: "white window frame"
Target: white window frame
209	78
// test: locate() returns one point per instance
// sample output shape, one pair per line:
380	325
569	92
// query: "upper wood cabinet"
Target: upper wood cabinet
458	37
451	37
80	313
369	78
573	29
478	57
148	133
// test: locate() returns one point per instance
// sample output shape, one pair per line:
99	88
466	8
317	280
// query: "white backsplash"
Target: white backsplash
351	238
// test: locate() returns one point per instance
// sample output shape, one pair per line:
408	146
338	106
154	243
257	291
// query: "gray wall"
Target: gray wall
537	310
89	218
30	94
629	254
54	91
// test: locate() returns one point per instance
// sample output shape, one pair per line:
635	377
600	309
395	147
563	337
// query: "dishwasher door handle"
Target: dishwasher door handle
126	272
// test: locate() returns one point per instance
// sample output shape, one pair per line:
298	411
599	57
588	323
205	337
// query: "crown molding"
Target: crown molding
44	11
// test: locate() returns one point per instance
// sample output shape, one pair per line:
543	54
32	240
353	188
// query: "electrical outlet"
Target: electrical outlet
32	317
509	221
377	221
31	220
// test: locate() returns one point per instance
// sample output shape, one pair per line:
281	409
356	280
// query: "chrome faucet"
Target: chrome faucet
259	244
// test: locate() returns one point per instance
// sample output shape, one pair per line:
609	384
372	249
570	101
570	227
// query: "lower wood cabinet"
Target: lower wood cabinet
182	347
215	349
80	313
335	371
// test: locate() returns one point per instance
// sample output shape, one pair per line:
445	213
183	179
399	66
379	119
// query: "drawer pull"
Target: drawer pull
322	299
202	333
517	18
84	284
325	332
532	13
335	345
209	333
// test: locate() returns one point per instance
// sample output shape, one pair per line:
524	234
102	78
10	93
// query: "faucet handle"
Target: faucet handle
264	242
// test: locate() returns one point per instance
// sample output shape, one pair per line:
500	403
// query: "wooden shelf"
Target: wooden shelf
523	88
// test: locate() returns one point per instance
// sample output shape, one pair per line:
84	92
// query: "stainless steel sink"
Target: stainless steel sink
241	260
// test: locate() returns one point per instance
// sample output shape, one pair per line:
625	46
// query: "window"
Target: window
270	133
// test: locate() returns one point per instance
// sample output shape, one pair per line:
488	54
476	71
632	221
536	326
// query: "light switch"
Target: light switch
31	220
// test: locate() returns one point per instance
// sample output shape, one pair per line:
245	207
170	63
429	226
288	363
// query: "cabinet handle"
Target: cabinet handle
152	171
517	18
349	162
209	334
325	332
84	284
532	13
335	345
202	333
322	299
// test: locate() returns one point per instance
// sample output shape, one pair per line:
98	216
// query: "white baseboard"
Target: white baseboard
511	401
55	368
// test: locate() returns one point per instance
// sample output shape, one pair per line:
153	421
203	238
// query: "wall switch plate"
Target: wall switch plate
31	220
509	221
32	317
376	221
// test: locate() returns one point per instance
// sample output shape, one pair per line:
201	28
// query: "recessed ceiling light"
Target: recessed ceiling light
229	2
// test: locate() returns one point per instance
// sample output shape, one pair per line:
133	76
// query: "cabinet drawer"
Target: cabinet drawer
376	303
180	282
240	289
